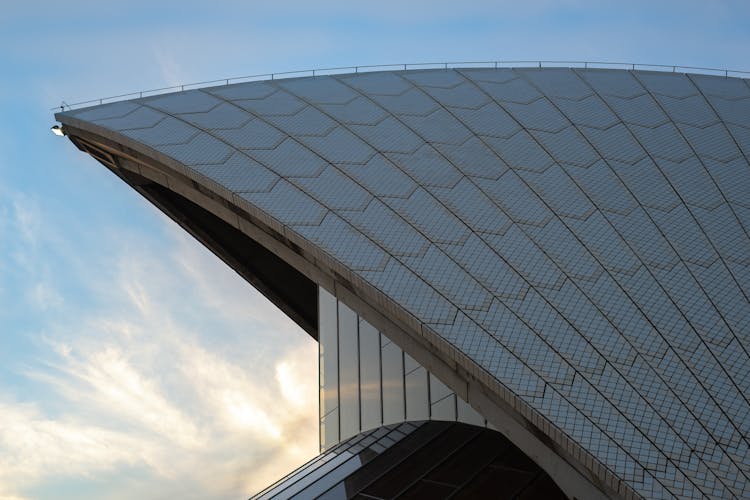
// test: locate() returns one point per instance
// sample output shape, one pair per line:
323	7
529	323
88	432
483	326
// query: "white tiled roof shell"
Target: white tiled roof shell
582	235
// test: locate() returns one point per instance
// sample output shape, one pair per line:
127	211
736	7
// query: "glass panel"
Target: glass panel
438	390
471	458
306	470
406	447
336	493
314	475
417	398
322	432
393	382
369	369
445	409
496	482
329	429
328	352
348	372
468	414
330	479
416	465
410	364
425	489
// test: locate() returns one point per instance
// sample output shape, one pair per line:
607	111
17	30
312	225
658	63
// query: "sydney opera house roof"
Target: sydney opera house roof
567	249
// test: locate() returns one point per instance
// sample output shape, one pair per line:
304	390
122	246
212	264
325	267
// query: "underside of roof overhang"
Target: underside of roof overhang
290	290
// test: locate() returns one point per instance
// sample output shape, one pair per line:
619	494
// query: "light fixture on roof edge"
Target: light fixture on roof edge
57	130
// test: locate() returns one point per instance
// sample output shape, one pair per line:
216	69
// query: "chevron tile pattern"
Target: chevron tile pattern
581	235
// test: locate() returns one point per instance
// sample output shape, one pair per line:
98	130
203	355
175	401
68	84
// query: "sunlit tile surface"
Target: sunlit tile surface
581	235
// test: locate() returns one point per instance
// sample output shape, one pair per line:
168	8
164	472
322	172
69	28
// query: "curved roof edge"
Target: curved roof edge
568	249
342	70
578	473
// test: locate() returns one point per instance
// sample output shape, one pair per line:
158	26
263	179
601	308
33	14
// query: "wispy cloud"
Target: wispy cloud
167	64
20	234
159	378
43	296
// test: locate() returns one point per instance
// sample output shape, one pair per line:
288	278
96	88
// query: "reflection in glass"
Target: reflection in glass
438	390
417	393
329	429
331	478
369	369
314	475
328	368
468	414
348	372
336	493
367	381
410	364
444	409
328	350
393	383
442	401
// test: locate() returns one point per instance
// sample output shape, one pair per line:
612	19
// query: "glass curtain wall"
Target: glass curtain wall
367	381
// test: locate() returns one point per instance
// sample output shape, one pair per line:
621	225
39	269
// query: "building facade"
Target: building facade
559	256
367	381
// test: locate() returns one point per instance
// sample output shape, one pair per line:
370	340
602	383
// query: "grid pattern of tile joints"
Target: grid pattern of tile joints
581	235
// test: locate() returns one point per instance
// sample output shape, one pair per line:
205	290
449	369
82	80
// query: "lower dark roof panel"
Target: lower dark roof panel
436	460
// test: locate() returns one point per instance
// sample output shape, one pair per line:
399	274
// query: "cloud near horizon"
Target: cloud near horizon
180	380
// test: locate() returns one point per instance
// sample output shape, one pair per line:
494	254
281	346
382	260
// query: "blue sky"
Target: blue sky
132	362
